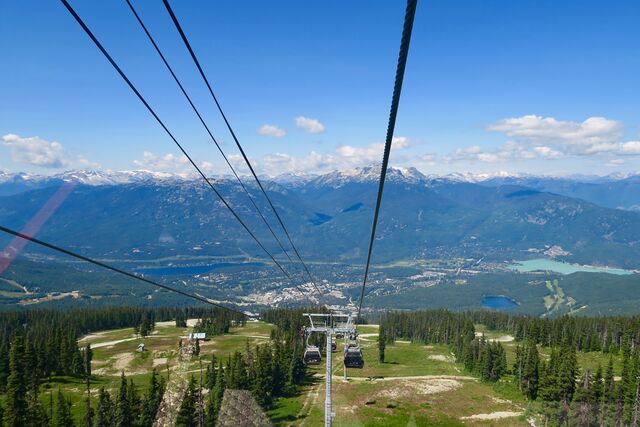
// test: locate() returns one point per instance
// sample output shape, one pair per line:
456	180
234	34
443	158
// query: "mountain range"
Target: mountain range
149	215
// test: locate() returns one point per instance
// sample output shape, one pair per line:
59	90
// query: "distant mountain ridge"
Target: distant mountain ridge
617	191
329	217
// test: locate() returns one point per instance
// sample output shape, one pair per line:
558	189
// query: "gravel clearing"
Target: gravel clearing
493	416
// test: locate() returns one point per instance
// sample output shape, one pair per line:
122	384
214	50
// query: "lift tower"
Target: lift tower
330	324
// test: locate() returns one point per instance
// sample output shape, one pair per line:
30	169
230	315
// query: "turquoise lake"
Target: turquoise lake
561	267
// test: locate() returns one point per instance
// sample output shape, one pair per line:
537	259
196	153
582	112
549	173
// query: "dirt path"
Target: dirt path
176	387
309	402
492	416
418	377
110	343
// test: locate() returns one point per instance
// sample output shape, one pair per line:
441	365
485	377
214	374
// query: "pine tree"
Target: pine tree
187	416
87	357
15	414
277	372
87	420
607	408
597	391
62	416
152	400
210	410
567	373
37	414
104	412
211	373
583	407
218	390
530	375
382	344
123	416
262	388
133	400
296	369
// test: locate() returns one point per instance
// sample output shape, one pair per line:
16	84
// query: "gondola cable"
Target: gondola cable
173	138
235	138
118	270
184	92
397	89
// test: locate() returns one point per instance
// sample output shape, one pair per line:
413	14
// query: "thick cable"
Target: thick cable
117	270
235	138
184	92
395	100
184	152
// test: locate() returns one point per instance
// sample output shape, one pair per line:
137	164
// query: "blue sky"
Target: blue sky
517	86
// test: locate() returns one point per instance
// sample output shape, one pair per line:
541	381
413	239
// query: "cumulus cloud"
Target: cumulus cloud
592	136
309	125
510	151
630	147
344	157
167	162
36	151
271	130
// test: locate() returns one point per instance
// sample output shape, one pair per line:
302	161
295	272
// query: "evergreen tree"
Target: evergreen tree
123	416
87	420
133	400
37	414
15	413
87	357
530	375
152	400
583	410
296	368
607	408
211	373
210	411
262	387
62	416
218	390
104	412
277	372
187	416
382	344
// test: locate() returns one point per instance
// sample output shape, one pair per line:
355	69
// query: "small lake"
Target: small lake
498	302
193	270
562	267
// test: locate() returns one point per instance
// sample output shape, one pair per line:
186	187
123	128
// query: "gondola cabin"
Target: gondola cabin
353	357
312	356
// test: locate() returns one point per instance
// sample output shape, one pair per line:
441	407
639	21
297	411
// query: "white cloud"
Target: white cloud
592	136
630	147
168	162
271	130
615	162
510	151
399	142
344	157
548	152
36	151
309	125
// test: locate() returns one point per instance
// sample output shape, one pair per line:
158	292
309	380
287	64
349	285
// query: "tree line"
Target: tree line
566	393
268	371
